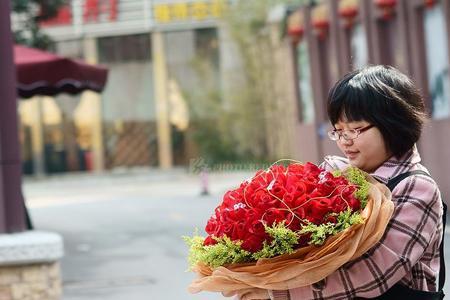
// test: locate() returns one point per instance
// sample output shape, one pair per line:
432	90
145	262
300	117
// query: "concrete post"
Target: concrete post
161	100
37	137
91	56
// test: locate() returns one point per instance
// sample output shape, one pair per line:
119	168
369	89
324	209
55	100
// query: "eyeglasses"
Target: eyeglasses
348	135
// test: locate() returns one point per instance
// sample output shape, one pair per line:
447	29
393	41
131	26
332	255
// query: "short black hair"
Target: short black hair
384	97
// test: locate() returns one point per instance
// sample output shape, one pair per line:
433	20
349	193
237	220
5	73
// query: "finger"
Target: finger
243	296
229	294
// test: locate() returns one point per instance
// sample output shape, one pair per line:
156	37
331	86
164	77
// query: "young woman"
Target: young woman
377	115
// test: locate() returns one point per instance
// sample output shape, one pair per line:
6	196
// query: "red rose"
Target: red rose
253	243
337	204
278	190
354	203
289	200
301	212
274	216
258	197
300	200
239	231
318	209
225	229
256	227
310	183
313	195
312	169
293	222
330	219
297	187
230	198
209	241
211	226
326	188
295	168
254	215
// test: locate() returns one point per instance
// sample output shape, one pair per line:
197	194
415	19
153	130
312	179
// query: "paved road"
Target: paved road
122	232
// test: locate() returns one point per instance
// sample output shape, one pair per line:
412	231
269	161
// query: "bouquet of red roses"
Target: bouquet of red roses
288	226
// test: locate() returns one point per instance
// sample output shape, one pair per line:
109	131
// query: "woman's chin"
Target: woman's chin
354	162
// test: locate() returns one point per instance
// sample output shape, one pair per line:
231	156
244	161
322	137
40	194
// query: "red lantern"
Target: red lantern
429	3
320	20
296	34
387	7
348	10
295	28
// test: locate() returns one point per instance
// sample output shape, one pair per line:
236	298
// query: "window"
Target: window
124	48
304	81
358	47
437	61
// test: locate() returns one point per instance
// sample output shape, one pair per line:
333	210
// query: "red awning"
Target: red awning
44	73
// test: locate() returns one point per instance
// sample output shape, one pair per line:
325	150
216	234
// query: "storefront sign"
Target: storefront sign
174	12
105	17
94	11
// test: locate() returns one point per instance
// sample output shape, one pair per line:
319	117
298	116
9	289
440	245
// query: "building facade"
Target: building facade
141	118
336	36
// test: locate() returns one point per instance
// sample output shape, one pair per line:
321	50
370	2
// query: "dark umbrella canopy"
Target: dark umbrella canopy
44	73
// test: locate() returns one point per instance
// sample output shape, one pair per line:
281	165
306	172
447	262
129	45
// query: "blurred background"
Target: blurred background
200	93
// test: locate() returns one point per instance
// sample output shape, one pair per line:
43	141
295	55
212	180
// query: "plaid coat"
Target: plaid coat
408	253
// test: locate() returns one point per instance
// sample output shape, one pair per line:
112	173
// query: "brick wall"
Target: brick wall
31	282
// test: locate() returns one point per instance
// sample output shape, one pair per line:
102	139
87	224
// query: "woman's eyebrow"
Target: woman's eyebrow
351	127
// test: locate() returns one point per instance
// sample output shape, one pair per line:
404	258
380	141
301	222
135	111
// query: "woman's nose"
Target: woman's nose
345	142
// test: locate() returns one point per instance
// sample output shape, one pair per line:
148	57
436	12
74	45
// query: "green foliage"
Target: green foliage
213	147
319	233
357	177
284	241
223	253
32	12
232	113
227	251
196	249
346	219
336	173
208	126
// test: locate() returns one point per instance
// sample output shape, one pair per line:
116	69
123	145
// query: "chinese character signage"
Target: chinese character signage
175	12
63	17
91	16
95	9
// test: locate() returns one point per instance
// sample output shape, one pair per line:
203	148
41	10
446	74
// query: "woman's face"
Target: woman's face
368	151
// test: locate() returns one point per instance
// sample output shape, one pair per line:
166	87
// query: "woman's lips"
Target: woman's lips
351	154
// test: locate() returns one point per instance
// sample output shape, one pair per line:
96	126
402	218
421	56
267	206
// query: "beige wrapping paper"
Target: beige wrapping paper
309	264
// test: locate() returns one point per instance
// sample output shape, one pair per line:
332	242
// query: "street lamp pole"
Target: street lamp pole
12	208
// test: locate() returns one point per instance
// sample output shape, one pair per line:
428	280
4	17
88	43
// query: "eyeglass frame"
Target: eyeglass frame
341	133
